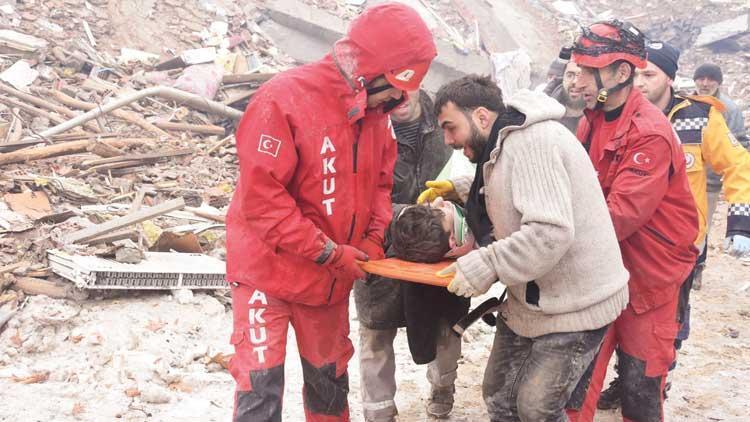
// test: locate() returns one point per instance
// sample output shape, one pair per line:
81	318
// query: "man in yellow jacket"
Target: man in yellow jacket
706	141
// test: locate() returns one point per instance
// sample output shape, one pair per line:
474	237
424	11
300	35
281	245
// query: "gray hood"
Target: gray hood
536	106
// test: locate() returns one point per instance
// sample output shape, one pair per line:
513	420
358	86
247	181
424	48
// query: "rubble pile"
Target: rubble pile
116	150
91	131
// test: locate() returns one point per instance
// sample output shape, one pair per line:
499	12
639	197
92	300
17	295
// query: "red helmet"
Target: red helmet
604	43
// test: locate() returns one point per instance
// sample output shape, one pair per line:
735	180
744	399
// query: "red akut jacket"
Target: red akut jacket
316	164
642	174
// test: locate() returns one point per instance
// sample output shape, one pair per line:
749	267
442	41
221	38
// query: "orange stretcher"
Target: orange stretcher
415	272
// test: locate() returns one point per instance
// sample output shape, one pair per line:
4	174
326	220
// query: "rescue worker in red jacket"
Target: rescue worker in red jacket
707	143
641	169
317	152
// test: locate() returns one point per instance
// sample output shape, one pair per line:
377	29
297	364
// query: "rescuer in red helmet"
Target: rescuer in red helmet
641	169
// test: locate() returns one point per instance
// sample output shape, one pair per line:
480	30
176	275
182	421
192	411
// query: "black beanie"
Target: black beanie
664	56
710	71
557	67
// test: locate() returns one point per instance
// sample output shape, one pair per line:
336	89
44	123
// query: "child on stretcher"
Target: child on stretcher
431	232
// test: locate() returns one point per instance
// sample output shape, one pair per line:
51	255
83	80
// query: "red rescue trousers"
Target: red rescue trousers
645	344
259	338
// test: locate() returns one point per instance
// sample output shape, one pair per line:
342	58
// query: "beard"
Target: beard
568	102
475	143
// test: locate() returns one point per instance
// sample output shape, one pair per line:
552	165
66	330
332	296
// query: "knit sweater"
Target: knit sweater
552	227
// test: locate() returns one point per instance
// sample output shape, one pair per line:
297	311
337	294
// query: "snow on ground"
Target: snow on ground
167	356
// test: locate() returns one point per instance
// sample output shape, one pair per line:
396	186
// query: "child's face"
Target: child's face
448	211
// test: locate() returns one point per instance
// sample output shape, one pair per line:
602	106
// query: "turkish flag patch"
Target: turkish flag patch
269	145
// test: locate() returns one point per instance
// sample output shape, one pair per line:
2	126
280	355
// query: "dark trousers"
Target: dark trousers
531	379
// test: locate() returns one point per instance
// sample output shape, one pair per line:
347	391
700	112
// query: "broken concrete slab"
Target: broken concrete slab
494	37
307	34
20	74
159	270
722	30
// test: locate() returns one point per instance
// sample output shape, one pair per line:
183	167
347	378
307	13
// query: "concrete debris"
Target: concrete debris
567	8
183	296
306	33
129	56
20	74
11	221
128	252
722	30
512	70
157	270
155	394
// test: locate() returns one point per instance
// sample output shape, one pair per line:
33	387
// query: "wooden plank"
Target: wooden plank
205	129
138	200
58	290
12	267
206	214
128	233
236	98
247	77
83	105
125	221
141	158
63	148
15	145
103	150
12	102
220	144
45	104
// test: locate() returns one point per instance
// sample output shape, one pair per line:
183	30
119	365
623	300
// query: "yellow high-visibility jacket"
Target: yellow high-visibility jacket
707	141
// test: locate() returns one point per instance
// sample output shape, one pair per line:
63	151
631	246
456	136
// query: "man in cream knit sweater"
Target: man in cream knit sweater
539	215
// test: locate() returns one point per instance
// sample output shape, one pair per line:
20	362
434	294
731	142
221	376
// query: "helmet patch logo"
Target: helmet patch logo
406	75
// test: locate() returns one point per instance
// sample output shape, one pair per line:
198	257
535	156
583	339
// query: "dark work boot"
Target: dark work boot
440	403
610	398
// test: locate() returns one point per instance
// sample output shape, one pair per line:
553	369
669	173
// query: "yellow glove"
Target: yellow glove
435	188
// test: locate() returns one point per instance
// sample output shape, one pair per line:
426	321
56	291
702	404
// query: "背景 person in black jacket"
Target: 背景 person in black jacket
384	305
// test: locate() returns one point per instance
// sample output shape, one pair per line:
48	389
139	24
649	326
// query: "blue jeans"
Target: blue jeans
531	379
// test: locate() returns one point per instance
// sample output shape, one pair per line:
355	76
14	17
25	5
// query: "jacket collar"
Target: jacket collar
535	107
632	103
351	92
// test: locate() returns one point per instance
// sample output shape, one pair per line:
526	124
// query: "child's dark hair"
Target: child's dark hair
418	235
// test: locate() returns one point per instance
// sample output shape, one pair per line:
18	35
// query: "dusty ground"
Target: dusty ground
66	361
